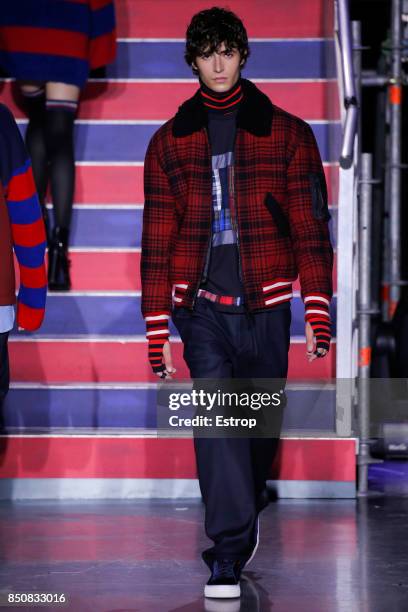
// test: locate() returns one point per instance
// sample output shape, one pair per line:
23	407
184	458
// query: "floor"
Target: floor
389	477
314	556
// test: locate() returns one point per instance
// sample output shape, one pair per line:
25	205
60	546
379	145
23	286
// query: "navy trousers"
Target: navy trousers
233	471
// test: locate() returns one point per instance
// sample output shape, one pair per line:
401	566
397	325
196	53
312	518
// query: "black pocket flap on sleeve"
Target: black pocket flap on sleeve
318	189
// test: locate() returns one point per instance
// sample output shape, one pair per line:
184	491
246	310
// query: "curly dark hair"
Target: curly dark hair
212	27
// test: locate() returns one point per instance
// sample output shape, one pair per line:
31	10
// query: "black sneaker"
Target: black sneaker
224	579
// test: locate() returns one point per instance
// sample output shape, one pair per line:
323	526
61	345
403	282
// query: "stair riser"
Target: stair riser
144	18
93	457
123	183
88	361
108	142
110	271
121	316
122	409
282	59
155	101
123	227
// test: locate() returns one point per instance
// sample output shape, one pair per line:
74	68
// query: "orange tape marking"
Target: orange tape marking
365	356
395	94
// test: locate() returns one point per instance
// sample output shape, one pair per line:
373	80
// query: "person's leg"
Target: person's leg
34	101
4	367
224	464
269	331
61	107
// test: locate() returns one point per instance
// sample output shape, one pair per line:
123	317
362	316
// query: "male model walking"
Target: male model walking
235	209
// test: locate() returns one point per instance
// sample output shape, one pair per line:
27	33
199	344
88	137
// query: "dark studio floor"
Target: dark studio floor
314	555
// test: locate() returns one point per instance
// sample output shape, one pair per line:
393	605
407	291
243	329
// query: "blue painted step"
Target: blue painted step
105	227
287	59
104	142
307	409
68	315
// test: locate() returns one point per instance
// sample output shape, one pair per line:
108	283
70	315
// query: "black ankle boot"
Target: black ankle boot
58	262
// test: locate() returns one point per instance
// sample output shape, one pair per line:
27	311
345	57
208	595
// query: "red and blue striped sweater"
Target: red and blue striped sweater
56	40
21	228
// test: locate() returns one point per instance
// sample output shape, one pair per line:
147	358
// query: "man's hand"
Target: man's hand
159	352
168	363
311	354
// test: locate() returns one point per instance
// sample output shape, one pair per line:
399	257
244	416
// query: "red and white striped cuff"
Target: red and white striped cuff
316	306
157	325
318	315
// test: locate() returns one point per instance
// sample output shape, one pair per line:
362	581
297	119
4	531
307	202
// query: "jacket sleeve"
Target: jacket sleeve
309	215
27	226
159	227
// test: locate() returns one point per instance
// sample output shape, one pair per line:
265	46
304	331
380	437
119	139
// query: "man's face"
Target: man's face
220	70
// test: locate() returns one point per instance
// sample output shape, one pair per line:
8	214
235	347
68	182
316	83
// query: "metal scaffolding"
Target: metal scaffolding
356	305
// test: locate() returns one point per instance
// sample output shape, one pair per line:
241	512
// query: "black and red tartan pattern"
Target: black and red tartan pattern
274	154
157	333
318	315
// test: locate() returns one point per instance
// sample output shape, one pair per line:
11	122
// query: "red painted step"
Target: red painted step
114	361
93	457
105	271
123	184
100	184
262	18
102	271
159	101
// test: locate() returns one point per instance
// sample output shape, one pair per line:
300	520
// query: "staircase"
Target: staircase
80	417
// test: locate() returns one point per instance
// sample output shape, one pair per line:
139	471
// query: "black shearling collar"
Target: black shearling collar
254	115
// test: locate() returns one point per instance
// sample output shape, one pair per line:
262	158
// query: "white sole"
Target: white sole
255	547
222	591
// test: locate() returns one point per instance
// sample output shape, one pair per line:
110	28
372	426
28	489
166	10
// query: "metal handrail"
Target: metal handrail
350	97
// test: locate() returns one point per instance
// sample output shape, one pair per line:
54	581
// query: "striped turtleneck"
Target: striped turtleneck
222	102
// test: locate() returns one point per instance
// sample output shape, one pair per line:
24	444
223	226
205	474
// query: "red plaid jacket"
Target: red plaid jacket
281	207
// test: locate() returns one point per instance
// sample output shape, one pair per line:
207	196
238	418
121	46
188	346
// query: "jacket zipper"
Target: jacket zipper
236	227
240	272
204	269
207	260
